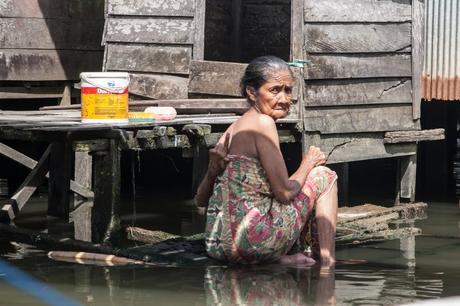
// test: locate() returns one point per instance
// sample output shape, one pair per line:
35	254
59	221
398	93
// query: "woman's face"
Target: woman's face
274	98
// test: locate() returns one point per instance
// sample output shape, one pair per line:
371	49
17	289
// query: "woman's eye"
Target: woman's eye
275	90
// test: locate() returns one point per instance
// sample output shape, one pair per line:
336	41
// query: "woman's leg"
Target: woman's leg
326	218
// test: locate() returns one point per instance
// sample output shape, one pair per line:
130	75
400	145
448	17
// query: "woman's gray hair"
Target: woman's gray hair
260	70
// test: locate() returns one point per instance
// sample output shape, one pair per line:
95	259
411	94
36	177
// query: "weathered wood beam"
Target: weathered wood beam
181	105
408	177
60	164
105	218
27	188
414	136
418	22
31	163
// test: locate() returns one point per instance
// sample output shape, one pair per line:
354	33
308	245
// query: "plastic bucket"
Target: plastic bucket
104	97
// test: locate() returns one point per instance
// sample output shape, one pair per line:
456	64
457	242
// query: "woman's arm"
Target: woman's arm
284	188
216	165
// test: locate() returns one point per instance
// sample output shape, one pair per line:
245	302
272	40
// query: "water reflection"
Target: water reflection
269	286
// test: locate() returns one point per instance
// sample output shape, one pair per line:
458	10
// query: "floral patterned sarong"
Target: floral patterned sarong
246	224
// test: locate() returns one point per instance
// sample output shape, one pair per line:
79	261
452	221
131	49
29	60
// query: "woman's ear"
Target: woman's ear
252	93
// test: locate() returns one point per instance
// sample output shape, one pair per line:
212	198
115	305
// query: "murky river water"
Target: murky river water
386	278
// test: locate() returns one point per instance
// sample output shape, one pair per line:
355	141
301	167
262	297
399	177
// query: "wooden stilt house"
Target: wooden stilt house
359	88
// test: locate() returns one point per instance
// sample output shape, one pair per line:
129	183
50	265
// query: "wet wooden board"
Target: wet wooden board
158	30
357	11
357	38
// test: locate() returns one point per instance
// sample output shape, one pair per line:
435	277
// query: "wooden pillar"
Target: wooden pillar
60	165
81	215
105	214
343	182
407	170
200	164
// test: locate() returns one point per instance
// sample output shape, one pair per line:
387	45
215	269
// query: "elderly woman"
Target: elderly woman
255	210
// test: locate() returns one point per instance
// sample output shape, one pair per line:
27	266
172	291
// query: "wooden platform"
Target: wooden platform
96	147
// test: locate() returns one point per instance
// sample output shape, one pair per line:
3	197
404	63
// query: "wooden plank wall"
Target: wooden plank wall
48	40
360	75
154	40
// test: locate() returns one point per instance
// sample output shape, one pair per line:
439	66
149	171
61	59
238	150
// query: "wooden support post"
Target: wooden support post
31	163
27	188
81	216
407	178
343	182
59	180
197	134
200	163
105	215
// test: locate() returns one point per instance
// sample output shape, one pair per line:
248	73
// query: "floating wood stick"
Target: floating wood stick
80	257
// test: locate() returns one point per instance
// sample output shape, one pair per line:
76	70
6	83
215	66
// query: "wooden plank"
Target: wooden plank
344	66
355	119
297	23
357	92
158	86
105	218
27	188
200	20
414	136
356	38
148	58
408	177
355	147
418	24
31	163
90	9
60	164
34	92
47	65
142	30
357	11
219	78
185	8
51	34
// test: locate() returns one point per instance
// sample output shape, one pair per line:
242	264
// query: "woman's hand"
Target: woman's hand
218	158
315	157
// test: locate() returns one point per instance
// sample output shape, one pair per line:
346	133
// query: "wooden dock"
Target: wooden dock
98	146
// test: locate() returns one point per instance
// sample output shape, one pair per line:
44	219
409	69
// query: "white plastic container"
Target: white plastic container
104	97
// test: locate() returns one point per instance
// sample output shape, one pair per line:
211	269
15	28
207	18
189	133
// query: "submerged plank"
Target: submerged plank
358	91
330	120
151	7
356	38
148	58
158	30
357	10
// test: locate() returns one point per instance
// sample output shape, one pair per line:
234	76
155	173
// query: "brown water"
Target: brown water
387	277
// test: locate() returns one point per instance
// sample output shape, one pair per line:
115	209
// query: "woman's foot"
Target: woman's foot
297	259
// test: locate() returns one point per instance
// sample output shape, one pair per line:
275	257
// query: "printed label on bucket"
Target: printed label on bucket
100	104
